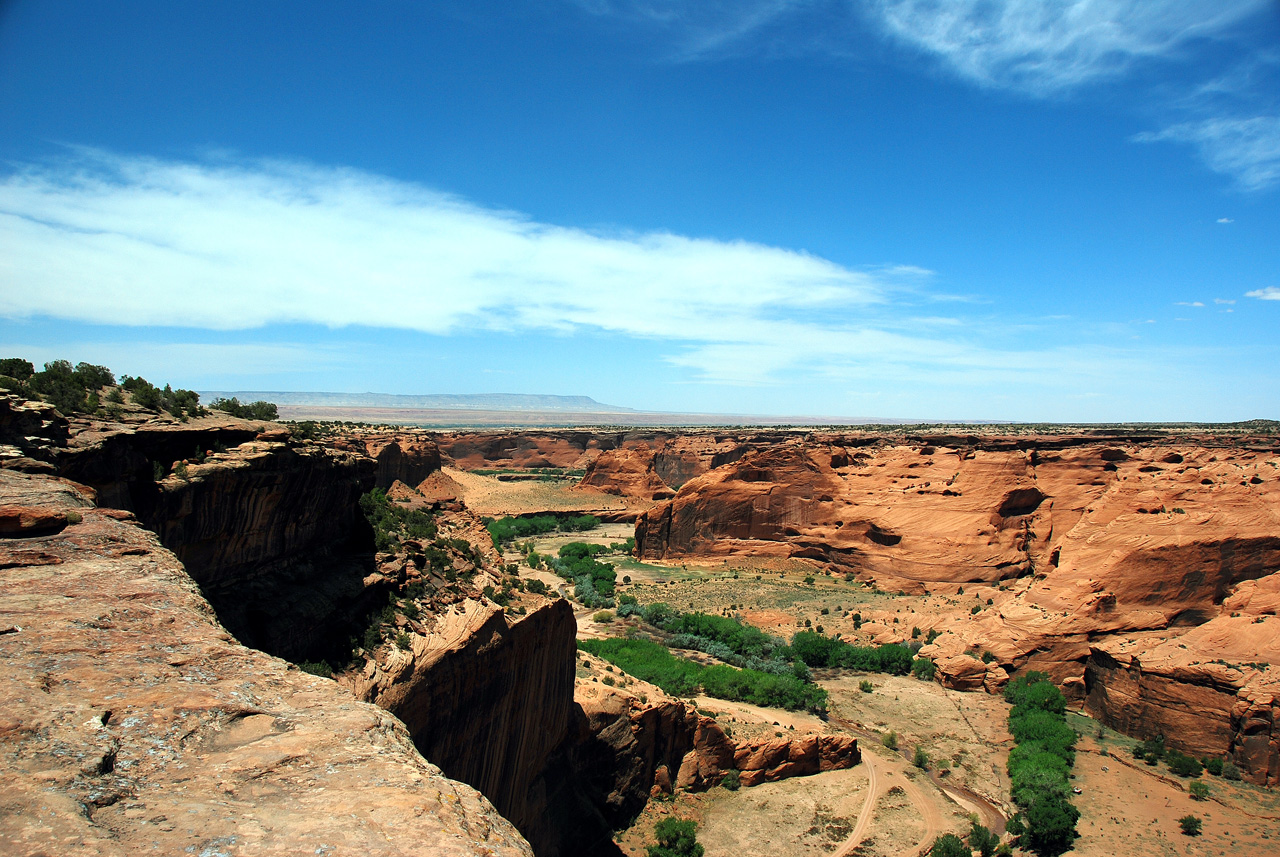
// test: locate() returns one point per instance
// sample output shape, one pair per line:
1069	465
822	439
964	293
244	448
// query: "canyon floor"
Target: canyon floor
885	805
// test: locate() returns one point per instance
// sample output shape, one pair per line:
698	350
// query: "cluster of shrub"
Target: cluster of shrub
1039	764
393	524
676	838
1153	751
721	637
79	389
817	650
654	663
246	410
506	529
594	582
980	839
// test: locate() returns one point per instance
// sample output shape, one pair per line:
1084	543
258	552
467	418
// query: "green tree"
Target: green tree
921	758
675	839
1190	825
1183	765
17	368
981	839
1199	791
1051	823
949	845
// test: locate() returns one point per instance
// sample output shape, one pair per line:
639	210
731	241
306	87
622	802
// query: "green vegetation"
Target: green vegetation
506	529
949	845
392	524
654	663
1190	825
732	780
819	651
865	686
320	668
981	839
246	410
1213	764
890	740
1198	790
1182	764
602	617
1039	763
920	759
78	389
675	839
924	669
594	582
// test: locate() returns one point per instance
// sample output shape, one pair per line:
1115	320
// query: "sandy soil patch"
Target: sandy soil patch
487	495
1131	808
964	734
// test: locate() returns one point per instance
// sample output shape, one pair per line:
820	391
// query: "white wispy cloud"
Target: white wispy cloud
1047	46
1225	220
1189	303
1270	293
114	240
1247	149
699	29
1222	301
145	242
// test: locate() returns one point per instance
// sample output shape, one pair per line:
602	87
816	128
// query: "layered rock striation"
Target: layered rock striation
488	698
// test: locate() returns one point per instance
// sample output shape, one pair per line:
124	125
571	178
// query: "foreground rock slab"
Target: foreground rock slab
132	723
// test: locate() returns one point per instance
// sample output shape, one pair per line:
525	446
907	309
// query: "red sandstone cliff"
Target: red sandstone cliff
487	698
132	722
1116	539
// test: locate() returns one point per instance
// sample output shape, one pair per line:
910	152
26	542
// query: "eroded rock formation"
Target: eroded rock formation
1108	543
633	746
132	722
489	699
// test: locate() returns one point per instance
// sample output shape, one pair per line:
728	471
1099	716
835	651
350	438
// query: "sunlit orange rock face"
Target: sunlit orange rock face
1114	548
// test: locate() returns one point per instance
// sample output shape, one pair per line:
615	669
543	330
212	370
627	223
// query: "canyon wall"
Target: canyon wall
132	722
1109	543
489	699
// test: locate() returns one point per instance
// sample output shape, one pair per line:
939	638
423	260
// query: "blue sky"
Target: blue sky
985	209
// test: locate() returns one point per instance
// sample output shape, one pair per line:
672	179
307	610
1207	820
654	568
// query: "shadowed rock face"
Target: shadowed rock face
271	532
132	722
490	701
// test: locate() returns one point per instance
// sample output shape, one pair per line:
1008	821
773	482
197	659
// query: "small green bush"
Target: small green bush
1190	825
676	838
920	759
402	641
1182	764
865	686
890	739
732	780
602	617
1198	790
1213	764
320	668
1230	771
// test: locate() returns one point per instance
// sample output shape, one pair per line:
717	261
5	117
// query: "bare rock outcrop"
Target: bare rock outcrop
404	456
1134	540
633	746
490	700
132	722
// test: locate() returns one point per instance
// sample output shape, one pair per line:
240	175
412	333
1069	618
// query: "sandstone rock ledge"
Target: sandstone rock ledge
131	722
